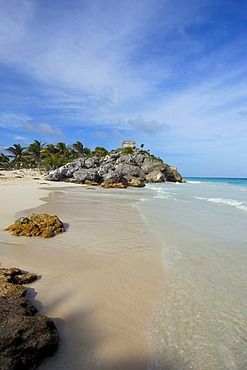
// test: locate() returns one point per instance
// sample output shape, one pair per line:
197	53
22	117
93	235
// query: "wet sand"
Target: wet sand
100	281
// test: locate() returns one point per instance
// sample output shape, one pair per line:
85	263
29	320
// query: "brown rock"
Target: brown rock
117	185
25	339
136	183
16	276
37	225
118	181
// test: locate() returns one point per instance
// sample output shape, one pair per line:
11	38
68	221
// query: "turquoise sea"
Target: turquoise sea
219	180
200	322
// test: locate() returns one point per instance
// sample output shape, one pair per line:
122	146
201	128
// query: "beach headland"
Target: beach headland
100	280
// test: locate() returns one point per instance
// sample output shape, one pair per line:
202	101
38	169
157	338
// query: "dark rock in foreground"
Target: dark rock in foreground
137	165
25	339
41	225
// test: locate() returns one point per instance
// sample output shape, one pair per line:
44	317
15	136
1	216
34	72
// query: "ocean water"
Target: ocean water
200	322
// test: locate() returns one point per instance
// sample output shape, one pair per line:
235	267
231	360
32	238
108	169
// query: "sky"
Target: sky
169	74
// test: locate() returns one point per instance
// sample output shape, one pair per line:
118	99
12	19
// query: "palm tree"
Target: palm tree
35	153
49	153
18	153
49	150
55	155
4	160
62	150
77	148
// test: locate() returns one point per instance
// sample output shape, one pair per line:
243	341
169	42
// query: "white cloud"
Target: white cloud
20	138
95	48
9	119
42	128
48	130
101	134
118	134
125	65
29	127
145	125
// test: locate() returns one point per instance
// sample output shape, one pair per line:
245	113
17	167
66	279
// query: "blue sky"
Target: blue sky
171	74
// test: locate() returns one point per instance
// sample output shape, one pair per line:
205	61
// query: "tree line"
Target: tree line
45	156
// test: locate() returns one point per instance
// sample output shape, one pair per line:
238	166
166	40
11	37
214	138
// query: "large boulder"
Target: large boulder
115	181
139	158
130	170
66	171
155	176
82	175
150	164
42	225
173	175
92	162
126	159
106	168
25	338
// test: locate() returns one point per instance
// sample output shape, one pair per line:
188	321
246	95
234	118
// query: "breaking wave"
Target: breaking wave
241	205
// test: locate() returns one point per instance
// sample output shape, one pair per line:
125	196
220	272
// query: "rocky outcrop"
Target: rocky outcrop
42	225
136	165
173	175
25	338
155	176
115	181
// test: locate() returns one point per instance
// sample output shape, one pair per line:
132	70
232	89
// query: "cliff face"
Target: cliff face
137	165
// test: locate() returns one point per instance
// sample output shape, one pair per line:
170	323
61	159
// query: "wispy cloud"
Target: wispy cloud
42	128
20	138
148	126
9	119
126	67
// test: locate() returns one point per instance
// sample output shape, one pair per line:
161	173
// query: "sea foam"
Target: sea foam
241	205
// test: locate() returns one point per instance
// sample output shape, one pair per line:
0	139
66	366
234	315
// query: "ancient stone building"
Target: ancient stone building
128	144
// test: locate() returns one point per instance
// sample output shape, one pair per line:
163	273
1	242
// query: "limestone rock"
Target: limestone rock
130	170
42	225
137	164
92	162
136	183
117	181
155	176
66	171
25	339
173	175
82	175
150	164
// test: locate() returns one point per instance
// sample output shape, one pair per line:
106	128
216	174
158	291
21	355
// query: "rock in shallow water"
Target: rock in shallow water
25	339
41	225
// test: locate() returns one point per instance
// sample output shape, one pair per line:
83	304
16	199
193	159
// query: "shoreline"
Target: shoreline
99	285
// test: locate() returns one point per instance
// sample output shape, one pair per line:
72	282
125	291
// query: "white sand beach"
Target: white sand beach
100	281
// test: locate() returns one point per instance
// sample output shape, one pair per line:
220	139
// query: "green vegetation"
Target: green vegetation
4	160
127	151
45	156
18	155
51	156
99	152
158	158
